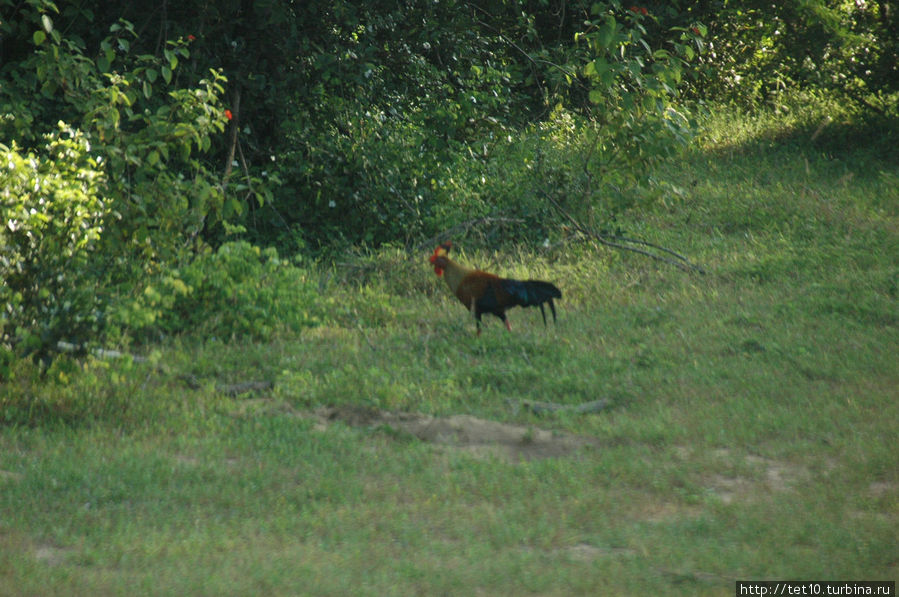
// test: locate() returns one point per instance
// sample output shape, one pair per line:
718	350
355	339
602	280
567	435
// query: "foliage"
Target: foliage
758	50
388	167
350	139
237	291
389	124
145	130
53	217
633	86
389	98
113	198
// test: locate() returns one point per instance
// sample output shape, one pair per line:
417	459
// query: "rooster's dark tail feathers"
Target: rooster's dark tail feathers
533	293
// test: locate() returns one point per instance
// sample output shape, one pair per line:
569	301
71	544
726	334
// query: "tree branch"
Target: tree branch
680	262
235	128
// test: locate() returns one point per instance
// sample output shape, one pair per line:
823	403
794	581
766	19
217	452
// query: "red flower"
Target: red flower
228	114
640	10
191	38
695	30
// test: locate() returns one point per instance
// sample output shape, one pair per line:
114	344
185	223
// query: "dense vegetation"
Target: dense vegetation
147	145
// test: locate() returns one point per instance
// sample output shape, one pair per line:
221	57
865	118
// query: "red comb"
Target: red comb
440	251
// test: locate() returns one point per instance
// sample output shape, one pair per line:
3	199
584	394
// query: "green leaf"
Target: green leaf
166	74
599	67
172	58
39	37
148	90
152	74
607	33
232	207
607	77
47	22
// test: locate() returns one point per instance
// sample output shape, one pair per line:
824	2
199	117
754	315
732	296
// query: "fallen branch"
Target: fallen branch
680	261
101	353
235	389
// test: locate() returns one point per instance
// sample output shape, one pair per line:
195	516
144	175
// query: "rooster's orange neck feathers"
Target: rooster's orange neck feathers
451	271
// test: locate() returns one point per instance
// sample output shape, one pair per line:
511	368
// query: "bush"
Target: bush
104	205
54	215
237	291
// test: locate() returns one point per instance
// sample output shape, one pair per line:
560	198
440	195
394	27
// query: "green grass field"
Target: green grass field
751	431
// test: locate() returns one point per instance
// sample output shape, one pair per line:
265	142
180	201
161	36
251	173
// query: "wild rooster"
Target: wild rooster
481	292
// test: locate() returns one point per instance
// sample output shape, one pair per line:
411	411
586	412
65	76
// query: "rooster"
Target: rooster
481	292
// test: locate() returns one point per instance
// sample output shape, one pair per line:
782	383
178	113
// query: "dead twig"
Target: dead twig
680	261
233	390
236	389
100	353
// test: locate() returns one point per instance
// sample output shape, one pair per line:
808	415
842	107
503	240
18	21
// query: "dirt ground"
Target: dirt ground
465	432
758	476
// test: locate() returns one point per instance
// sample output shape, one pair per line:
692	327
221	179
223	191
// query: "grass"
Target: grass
751	435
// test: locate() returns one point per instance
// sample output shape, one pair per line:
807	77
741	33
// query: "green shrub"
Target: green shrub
514	179
105	204
53	218
237	291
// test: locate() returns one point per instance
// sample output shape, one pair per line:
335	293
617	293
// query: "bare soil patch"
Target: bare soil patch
52	555
770	476
465	432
